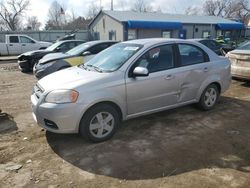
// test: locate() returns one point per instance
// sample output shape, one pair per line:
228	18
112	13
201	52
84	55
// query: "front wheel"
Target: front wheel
99	123
209	97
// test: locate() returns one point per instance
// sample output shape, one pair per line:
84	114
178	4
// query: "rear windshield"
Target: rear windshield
245	46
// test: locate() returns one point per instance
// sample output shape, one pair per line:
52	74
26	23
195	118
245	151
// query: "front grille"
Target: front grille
50	124
38	90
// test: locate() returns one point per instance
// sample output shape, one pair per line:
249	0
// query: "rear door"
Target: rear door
194	68
14	45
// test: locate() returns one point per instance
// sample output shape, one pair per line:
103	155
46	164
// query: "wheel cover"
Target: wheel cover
210	97
101	124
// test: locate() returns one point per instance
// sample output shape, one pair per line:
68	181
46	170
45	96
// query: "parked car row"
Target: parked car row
127	80
76	56
27	60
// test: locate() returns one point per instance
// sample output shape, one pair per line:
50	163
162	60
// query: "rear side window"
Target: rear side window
14	39
190	55
70	45
98	48
78	43
157	59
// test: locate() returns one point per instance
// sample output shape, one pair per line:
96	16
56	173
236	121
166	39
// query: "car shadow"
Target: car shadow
166	144
7	123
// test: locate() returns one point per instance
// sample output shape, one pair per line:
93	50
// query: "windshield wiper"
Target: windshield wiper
83	67
94	67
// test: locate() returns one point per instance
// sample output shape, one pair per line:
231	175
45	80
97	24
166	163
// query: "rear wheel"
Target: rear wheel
209	97
25	70
99	123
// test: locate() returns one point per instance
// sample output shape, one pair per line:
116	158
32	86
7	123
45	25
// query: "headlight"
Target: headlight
62	96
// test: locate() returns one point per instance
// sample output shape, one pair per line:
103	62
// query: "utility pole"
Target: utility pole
100	4
112	5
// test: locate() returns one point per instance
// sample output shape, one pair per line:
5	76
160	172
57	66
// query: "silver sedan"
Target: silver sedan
128	80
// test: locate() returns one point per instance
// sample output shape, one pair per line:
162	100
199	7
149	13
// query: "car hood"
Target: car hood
54	56
70	78
34	52
45	43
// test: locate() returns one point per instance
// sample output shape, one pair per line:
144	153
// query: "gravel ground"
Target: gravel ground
184	147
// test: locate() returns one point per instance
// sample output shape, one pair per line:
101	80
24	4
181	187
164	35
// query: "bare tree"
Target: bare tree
142	6
192	10
233	9
12	11
93	10
216	7
33	23
56	16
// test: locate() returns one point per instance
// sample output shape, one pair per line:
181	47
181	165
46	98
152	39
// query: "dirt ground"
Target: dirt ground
184	147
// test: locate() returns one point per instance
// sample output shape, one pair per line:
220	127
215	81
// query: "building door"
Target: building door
183	34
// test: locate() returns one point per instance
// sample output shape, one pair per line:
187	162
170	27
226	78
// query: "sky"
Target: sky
40	8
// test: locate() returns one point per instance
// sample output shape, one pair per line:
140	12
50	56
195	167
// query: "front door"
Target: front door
157	90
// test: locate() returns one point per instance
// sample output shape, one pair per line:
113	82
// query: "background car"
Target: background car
76	56
212	44
128	80
240	61
26	61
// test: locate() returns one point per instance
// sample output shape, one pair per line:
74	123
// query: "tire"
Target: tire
25	70
209	98
95	126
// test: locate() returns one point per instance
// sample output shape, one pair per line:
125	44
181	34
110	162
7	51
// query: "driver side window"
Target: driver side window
157	59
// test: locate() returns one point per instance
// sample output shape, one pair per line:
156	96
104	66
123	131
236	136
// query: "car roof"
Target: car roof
64	41
152	41
94	42
200	39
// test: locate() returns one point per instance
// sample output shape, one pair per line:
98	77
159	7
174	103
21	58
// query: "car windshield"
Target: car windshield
113	58
245	46
78	49
53	46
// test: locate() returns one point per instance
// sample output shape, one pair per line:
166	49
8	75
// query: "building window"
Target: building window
205	34
96	36
103	24
228	34
166	34
112	35
132	34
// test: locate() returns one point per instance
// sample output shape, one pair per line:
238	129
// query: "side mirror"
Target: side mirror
86	53
58	49
140	72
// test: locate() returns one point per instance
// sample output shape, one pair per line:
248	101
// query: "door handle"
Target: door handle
169	77
23	44
11	45
205	69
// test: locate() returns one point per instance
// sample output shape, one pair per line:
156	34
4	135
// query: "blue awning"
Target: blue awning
135	24
230	26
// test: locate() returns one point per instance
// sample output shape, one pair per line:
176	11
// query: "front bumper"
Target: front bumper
57	118
24	64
